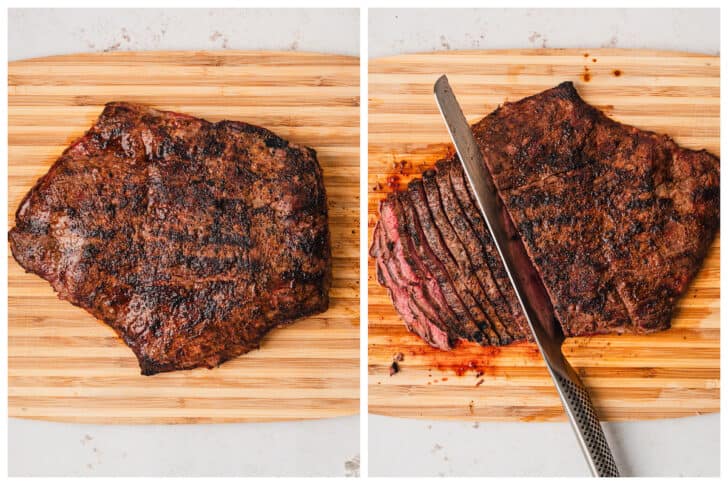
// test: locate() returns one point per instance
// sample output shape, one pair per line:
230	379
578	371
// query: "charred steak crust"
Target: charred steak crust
190	239
616	220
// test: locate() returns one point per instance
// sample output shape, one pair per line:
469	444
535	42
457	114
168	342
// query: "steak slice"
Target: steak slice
190	239
615	220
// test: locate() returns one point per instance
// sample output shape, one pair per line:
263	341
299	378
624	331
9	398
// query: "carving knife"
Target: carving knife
528	287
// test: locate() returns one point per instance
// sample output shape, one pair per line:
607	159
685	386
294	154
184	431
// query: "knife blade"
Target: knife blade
529	289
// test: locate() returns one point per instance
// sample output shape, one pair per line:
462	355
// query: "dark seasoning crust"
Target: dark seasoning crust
191	239
616	221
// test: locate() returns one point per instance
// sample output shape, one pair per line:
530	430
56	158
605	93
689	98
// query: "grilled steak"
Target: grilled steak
616	221
190	239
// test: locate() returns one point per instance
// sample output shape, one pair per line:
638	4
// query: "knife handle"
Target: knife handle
586	424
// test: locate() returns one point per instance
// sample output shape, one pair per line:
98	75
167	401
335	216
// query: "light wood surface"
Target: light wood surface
65	365
674	373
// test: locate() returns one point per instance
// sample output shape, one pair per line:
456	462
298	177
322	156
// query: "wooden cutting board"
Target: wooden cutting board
674	373
63	364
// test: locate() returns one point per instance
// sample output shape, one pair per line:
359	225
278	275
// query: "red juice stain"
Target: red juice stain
460	370
402	166
393	182
400	169
586	75
406	168
478	367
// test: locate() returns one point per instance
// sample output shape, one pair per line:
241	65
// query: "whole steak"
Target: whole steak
190	239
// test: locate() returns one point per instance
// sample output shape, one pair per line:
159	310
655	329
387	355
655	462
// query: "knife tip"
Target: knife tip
441	82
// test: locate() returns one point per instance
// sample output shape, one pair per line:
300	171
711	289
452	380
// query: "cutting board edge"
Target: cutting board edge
550	51
178	421
211	53
536	419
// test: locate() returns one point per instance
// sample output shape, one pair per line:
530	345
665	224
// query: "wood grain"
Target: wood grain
674	373
64	365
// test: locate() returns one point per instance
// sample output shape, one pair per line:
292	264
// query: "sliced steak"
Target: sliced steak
390	249
190	239
431	290
439	248
615	220
466	327
474	253
388	275
478	227
459	254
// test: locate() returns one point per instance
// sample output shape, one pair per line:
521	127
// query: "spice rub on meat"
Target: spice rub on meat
190	239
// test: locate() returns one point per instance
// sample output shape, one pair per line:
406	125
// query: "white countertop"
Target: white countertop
307	448
327	447
401	31
685	447
688	446
45	32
